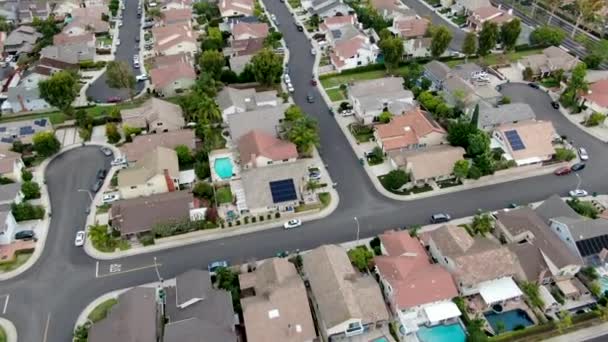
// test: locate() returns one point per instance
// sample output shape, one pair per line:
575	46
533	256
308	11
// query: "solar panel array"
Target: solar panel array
515	140
283	190
592	246
2	129
41	122
336	33
26	130
7	140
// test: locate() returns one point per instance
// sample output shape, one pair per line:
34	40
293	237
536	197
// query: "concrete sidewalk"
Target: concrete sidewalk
582	335
9	330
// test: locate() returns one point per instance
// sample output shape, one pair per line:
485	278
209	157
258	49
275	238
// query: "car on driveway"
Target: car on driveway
533	85
563	171
440	218
578	193
314	175
292	224
577	167
106	151
25	235
214	266
582	153
110	197
119	161
310	98
80	236
141	77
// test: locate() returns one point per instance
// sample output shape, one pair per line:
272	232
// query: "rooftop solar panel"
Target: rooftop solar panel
2	129
26	130
283	190
7	140
592	246
40	122
515	140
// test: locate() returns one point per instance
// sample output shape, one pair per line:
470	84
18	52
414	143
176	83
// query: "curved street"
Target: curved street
46	300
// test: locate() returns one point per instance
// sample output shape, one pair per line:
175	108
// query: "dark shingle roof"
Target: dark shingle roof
553	207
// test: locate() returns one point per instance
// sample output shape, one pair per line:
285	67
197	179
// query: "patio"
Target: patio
7	252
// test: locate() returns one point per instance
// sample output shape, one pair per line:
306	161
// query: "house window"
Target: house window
159	124
134	187
285	160
446	260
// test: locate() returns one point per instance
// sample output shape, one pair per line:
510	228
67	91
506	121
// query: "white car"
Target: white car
347	112
582	153
80	236
109	198
141	78
119	161
287	78
117	41
8	58
578	193
313	51
292	224
120	24
290	88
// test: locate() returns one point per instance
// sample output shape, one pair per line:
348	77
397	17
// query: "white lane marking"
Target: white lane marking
46	328
97	269
119	271
5	303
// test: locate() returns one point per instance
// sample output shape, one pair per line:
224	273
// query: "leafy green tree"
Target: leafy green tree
459	131
46	144
26	175
531	290
120	76
461	169
206	10
25	211
376	156
4	25
474	172
547	35
587	11
475	331
598	54
576	85
294	113
478	143
485	163
360	257
112	133
314	20
509	32
488	37
199	107
273	40
469	45
212	61
60	90
595	119
203	190
206	84
201	169
229	280
30	190
395	179
214	39
440	40
482	223
412	74
528	74
304	133
392	50
553	5
184	156
267	67
385	117
565	322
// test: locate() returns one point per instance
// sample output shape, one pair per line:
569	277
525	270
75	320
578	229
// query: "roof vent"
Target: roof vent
274	313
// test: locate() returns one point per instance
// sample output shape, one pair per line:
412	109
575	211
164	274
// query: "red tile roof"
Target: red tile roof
406	129
259	143
332	23
411	27
249	30
162	77
598	93
176	15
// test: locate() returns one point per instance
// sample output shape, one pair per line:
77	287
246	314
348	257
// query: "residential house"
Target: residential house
194	310
417	47
524	225
258	148
236	8
336	23
331	9
496	15
345	302
596	97
491	117
175	39
372	97
162	61
228	23
134	318
242	30
467	6
233	100
265	119
139	215
410	28
11	164
157	172
65	39
436	72
315	4
417	291
28	10
176	16
414	129
154	115
175	4
142	144
551	59
274	187
9	193
242	51
354	52
427	165
70	54
392	9
525	142
173	79
86	20
23	131
275	304
479	265
21	40
23	94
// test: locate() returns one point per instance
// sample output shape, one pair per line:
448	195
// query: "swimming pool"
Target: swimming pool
510	319
223	167
442	333
380	339
603	283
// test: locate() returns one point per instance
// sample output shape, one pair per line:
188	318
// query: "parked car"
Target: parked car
80	236
114	99
563	171
313	51
310	98
118	161
106	151
110	197
440	218
117	41
98	184
582	153
314	175
534	85
287	78
292	224
213	267
555	104
101	174
25	235
578	193
137	39
290	88
577	167
141	77
300	28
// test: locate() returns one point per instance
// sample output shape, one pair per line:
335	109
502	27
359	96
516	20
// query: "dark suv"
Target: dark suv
440	218
25	235
97	185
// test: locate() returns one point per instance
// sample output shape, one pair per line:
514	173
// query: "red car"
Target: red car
313	82
114	99
563	171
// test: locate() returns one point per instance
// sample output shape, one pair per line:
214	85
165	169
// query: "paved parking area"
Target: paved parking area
68	136
512	73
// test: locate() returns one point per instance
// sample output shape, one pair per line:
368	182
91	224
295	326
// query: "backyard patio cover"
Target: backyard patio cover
495	291
441	311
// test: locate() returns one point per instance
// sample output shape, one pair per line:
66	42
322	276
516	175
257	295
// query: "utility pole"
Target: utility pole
358	229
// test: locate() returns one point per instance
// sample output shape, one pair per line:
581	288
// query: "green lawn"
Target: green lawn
100	312
224	195
295	3
325	198
2	335
336	80
494	59
12	265
336	94
362	133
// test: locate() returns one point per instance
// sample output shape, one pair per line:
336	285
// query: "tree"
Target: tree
267	67
565	322
312	185
395	179
201	169
547	35
385	117
212	61
482	223
30	190
314	20
46	144
4	25
199	107
587	12
214	39
392	50
509	32
531	291
206	10
469	45
459	131
184	156
440	40
598	53
25	211
120	76
485	163
203	190
304	133
26	175
294	113
475	117
273	40
112	133
595	119
60	90
229	280
602	312
576	84
461	169
487	38
478	143
360	257
474	172
553	5
475	331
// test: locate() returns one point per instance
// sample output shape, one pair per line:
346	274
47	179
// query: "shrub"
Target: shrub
112	133
277	215
25	211
360	257
595	119
261	218
203	190
238	222
30	190
584	208
269	216
253	219
201	169
396	179
474	172
246	219
564	154
146	239
26	175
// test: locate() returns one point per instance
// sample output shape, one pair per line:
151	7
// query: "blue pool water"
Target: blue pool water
380	339
603	283
510	319
442	333
223	167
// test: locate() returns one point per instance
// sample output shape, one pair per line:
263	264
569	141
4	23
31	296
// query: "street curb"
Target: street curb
9	329
440	15
83	316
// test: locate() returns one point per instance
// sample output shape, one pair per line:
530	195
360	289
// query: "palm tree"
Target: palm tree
587	11
553	6
303	133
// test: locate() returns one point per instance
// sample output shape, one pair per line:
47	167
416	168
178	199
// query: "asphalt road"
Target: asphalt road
99	90
46	300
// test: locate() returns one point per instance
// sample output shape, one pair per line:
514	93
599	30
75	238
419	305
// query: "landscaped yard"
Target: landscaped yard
104	40
336	94
20	259
224	195
494	59
362	133
459	19
448	183
335	80
101	311
294	3
325	198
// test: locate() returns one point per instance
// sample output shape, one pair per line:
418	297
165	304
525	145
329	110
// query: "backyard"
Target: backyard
336	94
334	80
224	195
494	59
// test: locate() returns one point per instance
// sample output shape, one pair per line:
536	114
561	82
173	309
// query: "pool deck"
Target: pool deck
478	306
223	153
372	335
